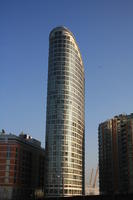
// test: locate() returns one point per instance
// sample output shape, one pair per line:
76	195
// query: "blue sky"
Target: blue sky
104	33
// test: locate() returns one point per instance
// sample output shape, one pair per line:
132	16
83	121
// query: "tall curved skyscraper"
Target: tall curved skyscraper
65	116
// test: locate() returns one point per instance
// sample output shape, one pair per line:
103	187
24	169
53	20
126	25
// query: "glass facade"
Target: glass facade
65	116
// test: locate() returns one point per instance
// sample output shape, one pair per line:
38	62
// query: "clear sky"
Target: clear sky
104	33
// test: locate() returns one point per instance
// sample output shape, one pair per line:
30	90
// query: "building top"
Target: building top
23	138
61	28
58	28
119	117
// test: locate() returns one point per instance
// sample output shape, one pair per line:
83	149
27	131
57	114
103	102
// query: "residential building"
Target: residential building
65	116
21	167
116	155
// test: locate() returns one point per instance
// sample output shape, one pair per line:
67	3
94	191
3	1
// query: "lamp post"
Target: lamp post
62	184
58	176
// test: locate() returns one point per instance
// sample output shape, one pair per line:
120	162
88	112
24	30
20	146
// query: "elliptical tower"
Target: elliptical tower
65	116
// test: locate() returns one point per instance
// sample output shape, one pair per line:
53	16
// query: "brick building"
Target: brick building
21	166
116	155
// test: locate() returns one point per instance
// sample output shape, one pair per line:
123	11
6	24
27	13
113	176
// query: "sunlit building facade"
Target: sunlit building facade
22	162
116	155
65	116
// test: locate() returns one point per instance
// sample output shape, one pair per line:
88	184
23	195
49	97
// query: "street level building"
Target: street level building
116	155
65	116
21	167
